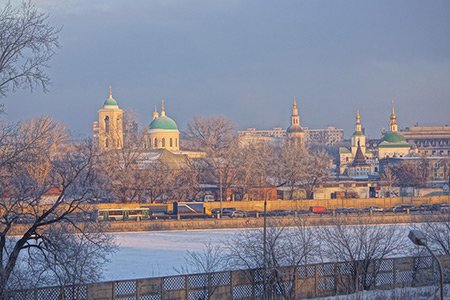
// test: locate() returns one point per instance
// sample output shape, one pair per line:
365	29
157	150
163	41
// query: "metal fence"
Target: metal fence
307	281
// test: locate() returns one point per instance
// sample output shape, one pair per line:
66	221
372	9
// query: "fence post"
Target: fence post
394	273
113	292
231	285
186	287
315	280
137	289
61	293
254	284
162	287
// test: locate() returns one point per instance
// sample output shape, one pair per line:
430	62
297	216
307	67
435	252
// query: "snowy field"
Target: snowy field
154	254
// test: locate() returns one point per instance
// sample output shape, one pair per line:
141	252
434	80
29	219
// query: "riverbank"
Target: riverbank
168	225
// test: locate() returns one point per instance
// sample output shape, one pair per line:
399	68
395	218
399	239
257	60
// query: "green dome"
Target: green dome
358	133
393	140
111	102
163	122
394	137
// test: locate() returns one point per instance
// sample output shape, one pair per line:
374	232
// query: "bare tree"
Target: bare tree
27	43
290	167
287	249
296	167
216	137
412	173
212	135
35	159
253	169
389	180
437	232
358	248
207	262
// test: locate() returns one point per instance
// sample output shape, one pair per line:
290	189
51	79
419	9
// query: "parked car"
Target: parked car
374	209
319	210
445	208
238	214
402	208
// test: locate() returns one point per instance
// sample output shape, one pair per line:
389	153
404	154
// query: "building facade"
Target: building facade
429	140
329	136
108	130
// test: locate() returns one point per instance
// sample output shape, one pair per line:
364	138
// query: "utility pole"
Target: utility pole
220	191
265	247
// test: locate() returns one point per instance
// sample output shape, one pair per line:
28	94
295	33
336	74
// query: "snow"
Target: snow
154	254
158	253
425	293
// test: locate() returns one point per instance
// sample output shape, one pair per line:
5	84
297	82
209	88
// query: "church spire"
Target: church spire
295	119
163	112
155	113
110	92
393	122
358	127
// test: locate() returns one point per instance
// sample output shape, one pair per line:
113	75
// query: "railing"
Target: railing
314	280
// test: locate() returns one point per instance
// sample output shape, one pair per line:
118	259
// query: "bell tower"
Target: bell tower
109	127
358	137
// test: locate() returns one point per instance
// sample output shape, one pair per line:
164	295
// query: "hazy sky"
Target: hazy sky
247	60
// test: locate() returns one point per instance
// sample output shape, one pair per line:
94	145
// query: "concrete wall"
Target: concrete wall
163	225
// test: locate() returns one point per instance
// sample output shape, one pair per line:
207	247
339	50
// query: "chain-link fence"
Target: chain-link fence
307	281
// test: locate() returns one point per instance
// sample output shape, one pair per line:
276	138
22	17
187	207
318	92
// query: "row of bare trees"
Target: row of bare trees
242	167
356	247
134	174
358	250
414	174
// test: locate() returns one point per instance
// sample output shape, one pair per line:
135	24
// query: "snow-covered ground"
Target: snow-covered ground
153	254
419	293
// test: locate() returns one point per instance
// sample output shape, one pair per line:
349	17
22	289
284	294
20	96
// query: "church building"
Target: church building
295	132
393	143
108	130
162	132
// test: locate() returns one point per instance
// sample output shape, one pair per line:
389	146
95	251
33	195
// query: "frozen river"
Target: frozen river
152	254
158	253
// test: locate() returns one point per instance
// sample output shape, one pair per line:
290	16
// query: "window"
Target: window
170	143
107	124
176	144
163	142
155	144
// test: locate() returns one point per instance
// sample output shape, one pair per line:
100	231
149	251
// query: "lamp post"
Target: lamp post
419	239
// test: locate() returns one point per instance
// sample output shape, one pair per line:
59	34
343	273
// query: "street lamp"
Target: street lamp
419	239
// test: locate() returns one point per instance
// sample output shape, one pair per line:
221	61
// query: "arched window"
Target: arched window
107	124
155	145
163	142
170	143
176	143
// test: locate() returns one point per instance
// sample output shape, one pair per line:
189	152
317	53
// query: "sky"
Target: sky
247	60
